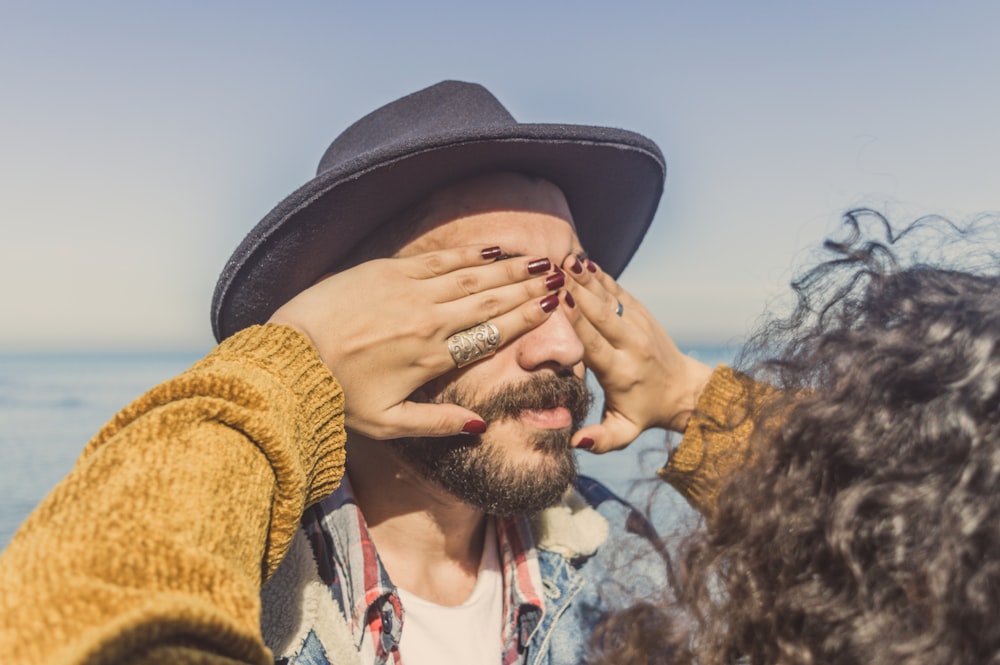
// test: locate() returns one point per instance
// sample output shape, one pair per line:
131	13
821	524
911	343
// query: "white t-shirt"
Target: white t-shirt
466	634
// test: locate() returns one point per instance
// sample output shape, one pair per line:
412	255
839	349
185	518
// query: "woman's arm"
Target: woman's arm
157	541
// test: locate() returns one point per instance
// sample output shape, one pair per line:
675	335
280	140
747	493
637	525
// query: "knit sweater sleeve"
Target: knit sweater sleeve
716	441
155	546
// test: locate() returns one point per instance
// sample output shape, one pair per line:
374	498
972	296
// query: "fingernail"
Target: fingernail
558	270
569	300
474	426
586	443
576	266
490	253
591	266
555	280
550	302
538	266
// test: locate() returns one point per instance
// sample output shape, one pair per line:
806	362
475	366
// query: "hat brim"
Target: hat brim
612	180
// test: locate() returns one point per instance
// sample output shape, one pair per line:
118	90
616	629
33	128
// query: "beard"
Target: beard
483	472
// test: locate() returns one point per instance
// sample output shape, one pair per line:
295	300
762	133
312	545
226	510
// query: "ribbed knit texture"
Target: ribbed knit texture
709	450
155	545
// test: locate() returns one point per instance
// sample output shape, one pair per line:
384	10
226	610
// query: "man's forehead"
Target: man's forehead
517	232
523	215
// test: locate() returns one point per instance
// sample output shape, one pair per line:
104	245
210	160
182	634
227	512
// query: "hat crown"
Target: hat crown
449	106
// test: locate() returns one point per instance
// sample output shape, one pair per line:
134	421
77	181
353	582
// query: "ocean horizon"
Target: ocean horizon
51	404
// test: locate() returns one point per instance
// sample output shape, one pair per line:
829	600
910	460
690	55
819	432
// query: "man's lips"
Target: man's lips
556	418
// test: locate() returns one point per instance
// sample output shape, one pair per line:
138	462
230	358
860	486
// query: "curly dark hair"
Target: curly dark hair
866	525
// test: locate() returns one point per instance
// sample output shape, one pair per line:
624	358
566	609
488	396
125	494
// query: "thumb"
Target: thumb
420	419
612	434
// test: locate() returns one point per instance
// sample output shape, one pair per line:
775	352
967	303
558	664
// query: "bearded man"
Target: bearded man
483	547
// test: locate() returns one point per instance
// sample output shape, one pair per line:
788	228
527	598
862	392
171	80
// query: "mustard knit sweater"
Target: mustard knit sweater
154	547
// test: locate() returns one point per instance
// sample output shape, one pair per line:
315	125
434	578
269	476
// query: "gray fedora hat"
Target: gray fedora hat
399	153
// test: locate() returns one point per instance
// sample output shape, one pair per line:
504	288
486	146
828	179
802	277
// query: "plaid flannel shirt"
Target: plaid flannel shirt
348	563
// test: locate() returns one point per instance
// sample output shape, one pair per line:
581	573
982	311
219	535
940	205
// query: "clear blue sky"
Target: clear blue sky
139	141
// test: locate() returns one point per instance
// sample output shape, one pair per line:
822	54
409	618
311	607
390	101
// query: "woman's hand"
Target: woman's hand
382	329
647	381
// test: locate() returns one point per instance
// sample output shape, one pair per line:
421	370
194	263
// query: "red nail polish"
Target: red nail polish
490	253
474	426
539	266
576	267
550	302
591	266
558	270
586	443
570	302
555	281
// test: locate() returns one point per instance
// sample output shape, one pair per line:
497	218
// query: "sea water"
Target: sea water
51	404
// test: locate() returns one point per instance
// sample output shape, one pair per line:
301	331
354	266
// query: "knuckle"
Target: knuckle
535	287
490	307
435	264
531	314
593	346
381	269
629	379
405	331
433	363
423	329
468	284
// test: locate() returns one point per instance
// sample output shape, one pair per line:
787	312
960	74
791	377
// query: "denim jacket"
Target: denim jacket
594	553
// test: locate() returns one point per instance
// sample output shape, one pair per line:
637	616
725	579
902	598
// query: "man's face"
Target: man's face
531	393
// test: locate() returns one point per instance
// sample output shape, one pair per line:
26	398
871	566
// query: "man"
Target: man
466	549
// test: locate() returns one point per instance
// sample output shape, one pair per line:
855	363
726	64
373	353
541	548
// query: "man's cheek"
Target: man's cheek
438	391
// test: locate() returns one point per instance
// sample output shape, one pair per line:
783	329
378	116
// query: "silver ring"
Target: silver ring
479	341
620	309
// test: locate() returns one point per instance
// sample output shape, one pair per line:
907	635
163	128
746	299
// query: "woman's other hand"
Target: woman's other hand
647	381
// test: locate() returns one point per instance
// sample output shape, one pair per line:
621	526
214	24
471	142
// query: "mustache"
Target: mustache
535	393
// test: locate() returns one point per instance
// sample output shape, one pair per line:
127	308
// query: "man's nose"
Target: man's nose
553	344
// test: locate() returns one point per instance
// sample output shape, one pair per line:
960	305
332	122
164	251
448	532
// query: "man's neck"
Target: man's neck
429	542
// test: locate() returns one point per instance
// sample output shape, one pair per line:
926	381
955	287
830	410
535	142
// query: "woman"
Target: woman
863	528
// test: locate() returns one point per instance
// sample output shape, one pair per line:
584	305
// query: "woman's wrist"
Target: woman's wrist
684	400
